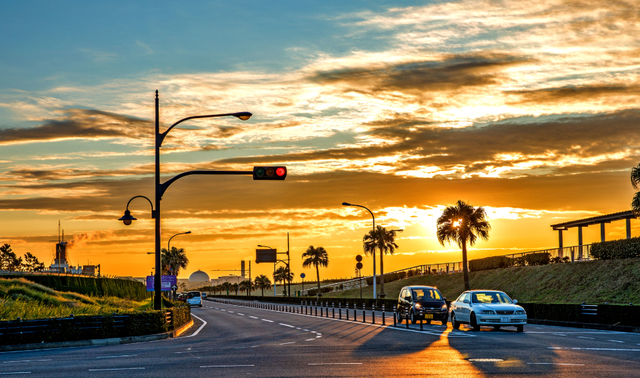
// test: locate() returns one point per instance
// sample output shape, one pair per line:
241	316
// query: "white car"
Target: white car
194	298
487	308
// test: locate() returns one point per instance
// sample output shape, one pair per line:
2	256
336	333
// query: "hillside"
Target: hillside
613	281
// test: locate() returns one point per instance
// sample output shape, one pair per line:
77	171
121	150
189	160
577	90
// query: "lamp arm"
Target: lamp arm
153	212
161	136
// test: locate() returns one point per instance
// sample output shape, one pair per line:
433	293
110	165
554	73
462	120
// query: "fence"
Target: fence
566	254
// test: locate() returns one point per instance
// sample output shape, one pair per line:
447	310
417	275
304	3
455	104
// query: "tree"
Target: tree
31	263
8	259
463	223
235	287
263	282
316	257
384	241
635	182
247	286
226	286
173	261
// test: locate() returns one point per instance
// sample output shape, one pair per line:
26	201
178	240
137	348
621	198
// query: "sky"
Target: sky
528	109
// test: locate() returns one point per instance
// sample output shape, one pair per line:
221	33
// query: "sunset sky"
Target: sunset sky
527	108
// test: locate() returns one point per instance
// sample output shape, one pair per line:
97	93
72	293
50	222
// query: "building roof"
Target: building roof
199	276
629	214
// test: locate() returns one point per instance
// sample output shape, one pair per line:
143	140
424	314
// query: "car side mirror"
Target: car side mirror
465	301
515	301
407	298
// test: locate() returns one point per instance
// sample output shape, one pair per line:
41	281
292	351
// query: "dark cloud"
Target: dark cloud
419	78
81	123
617	94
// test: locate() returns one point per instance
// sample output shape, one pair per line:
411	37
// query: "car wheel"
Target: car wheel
399	317
200	305
413	318
497	328
454	322
474	323
520	328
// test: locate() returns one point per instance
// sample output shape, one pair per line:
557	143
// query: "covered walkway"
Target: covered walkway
602	219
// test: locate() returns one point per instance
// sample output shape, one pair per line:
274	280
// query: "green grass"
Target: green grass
29	300
613	281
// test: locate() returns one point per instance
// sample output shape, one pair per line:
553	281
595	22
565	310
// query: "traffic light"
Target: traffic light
269	173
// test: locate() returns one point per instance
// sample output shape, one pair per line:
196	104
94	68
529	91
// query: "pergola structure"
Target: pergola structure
602	219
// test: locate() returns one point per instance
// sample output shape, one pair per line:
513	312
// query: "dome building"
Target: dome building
199	276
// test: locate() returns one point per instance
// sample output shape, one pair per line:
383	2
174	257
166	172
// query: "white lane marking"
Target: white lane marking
267	320
16	372
586	338
334	363
553	363
616	341
240	314
301	328
122	355
603	349
225	366
231	312
253	317
485	360
204	323
560	334
286	325
118	369
222	309
290	342
306	330
19	361
309	339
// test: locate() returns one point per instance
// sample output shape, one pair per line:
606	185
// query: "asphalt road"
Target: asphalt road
237	341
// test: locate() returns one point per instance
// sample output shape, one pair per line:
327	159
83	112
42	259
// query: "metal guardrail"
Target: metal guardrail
591	310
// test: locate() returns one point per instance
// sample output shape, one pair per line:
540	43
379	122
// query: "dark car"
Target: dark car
422	302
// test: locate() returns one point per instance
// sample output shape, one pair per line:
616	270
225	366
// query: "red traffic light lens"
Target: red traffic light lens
281	171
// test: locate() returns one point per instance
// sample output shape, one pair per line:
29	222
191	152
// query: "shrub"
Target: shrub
487	263
539	258
616	249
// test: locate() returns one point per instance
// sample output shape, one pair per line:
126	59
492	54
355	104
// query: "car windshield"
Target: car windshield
426	294
490	297
193	294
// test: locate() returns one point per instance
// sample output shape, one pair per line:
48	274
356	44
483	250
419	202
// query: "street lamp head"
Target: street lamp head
188	232
127	218
243	115
346	204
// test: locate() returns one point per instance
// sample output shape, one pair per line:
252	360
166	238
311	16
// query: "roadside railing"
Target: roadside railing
574	253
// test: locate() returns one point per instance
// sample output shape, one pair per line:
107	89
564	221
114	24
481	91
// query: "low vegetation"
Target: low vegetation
612	281
24	299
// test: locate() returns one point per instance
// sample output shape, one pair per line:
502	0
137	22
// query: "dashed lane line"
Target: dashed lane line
253	317
120	356
553	363
334	363
586	338
23	361
267	320
225	366
118	369
616	341
600	349
287	325
16	372
290	342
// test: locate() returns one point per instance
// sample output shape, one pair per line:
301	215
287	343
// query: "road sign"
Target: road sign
166	283
266	256
174	287
302	275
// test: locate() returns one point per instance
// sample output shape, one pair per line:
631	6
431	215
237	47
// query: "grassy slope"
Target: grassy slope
29	300
613	281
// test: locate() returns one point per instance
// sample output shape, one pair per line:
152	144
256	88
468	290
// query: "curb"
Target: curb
99	342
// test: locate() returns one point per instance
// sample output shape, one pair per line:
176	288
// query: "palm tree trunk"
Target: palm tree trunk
465	270
381	273
318	275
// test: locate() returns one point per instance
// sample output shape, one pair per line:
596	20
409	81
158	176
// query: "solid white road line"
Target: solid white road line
602	349
118	369
225	366
486	360
204	323
20	361
553	363
16	372
122	355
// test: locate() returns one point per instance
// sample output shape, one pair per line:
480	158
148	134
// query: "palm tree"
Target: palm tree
316	257
635	182
263	282
226	286
463	223
173	261
384	241
235	287
247	286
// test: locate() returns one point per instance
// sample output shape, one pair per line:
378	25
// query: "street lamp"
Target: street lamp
160	188
375	293
169	242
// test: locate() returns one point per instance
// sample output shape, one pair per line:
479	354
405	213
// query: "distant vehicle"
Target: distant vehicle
204	295
425	300
487	308
194	298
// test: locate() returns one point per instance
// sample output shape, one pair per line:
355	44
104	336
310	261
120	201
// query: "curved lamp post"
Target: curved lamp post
160	188
375	293
169	242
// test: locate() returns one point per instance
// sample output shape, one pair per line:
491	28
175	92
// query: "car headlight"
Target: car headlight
444	307
418	305
520	312
488	312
